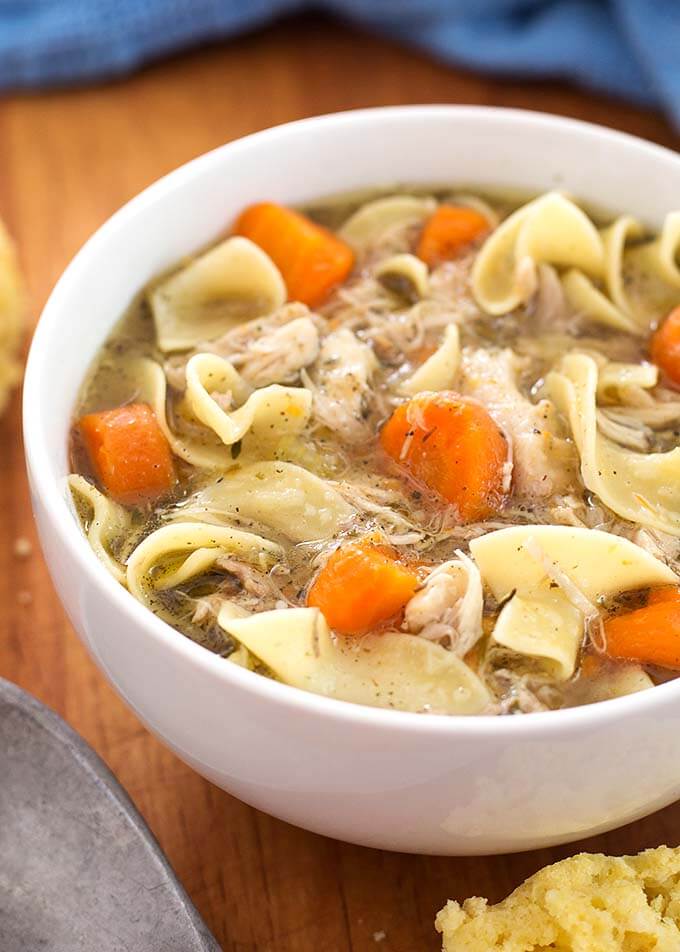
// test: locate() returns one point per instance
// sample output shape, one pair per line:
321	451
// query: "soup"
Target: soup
412	450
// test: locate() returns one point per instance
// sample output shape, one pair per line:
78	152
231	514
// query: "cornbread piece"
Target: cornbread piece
11	316
587	903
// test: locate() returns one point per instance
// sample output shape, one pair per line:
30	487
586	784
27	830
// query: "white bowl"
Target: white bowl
430	784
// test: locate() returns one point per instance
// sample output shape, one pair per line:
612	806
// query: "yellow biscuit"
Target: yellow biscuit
11	316
587	903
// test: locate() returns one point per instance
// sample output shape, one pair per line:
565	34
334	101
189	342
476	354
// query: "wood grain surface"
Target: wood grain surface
68	159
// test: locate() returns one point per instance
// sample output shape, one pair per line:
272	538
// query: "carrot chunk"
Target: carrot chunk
310	258
453	447
129	453
650	635
362	586
447	232
665	346
667	593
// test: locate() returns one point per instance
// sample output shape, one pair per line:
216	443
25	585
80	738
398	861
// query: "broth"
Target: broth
382	331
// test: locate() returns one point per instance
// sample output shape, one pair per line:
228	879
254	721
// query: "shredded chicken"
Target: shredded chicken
207	609
450	288
549	307
657	415
624	430
223	399
404	517
543	462
278	357
395	331
248	586
380	498
242	336
449	605
526	278
659	544
175	371
362	299
394	337
340	383
518	694
237	342
567	511
393	239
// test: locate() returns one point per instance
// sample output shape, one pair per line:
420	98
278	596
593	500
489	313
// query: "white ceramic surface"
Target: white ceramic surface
398	781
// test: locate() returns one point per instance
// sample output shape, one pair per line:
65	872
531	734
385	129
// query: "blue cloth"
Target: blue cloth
630	48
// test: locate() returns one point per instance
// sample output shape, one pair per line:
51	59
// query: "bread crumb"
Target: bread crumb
379	936
587	902
24	597
22	547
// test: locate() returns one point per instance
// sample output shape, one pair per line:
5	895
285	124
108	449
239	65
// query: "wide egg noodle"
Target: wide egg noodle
268	413
439	371
550	229
664	251
404	271
494	281
374	219
271	413
107	522
615	237
206	451
641	487
598	563
545	626
558	232
641	278
191	305
178	552
652	274
390	669
587	300
550	575
615	380
282	496
610	305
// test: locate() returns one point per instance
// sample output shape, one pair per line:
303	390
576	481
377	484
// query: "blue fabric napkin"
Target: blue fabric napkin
630	48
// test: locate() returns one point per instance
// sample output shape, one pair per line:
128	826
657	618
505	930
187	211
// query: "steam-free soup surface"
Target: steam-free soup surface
408	449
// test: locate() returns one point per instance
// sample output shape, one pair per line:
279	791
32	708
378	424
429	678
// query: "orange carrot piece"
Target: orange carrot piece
362	586
447	232
129	453
311	259
667	593
453	447
650	635
665	346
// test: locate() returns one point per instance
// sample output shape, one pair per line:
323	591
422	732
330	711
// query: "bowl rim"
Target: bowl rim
50	488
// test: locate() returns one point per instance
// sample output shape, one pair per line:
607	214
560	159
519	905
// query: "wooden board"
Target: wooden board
68	159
